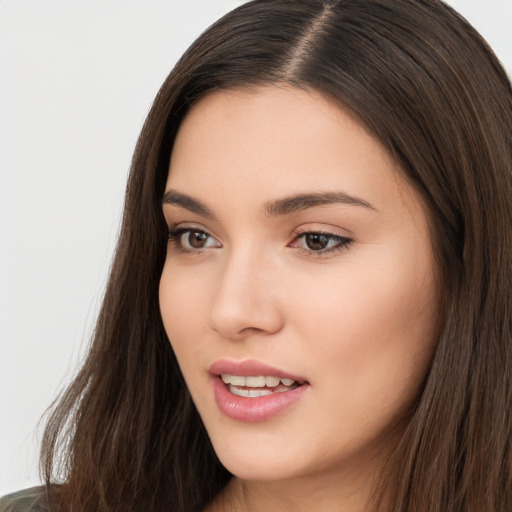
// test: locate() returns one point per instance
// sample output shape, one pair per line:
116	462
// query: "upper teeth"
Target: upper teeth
259	381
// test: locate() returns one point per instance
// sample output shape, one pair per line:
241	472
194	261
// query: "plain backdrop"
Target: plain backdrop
77	78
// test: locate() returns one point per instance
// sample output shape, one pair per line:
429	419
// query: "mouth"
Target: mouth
254	386
251	391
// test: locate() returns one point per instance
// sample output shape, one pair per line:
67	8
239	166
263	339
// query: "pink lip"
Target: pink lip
250	367
252	409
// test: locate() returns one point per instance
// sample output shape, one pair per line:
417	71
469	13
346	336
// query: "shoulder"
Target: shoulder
27	500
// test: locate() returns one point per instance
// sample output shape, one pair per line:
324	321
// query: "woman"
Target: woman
309	307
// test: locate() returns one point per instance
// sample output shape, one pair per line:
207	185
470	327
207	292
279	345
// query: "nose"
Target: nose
246	301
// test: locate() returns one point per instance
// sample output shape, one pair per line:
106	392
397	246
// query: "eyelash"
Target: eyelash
176	233
341	242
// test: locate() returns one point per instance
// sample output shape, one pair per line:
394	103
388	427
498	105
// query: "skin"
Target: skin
358	322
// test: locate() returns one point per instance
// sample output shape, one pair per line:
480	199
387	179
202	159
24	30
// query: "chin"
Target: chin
258	469
259	457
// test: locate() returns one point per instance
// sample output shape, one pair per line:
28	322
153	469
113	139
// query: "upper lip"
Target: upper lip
251	367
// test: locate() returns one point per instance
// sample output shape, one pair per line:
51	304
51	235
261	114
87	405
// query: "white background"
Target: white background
77	78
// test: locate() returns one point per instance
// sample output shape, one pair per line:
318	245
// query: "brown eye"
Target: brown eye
321	243
195	239
191	240
316	241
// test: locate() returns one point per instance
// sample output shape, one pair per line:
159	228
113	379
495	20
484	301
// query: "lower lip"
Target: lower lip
255	409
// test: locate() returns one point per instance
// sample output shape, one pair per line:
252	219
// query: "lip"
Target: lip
256	409
250	367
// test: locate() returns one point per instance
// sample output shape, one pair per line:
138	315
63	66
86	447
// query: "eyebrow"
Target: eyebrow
304	201
189	203
277	207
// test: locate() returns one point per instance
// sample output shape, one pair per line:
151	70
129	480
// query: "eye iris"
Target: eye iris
197	239
316	241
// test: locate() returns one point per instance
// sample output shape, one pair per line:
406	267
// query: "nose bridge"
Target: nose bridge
245	301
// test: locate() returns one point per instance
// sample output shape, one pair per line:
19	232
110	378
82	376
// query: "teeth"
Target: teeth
237	380
258	381
272	382
249	393
254	382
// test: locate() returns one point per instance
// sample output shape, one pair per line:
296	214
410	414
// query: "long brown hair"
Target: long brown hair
126	436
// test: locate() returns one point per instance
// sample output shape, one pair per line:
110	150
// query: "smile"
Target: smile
250	391
256	386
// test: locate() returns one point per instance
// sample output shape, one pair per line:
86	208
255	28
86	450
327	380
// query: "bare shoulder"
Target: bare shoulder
27	500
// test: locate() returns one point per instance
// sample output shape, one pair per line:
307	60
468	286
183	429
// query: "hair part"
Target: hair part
423	81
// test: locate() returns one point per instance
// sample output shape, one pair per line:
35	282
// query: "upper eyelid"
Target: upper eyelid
324	231
178	229
325	228
328	234
189	226
334	232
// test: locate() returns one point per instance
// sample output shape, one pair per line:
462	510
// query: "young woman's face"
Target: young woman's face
298	291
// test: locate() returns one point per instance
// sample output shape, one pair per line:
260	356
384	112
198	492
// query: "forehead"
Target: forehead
260	144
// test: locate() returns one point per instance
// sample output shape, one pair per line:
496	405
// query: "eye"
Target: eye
190	239
321	243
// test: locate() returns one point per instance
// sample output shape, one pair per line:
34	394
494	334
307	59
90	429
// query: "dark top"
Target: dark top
28	500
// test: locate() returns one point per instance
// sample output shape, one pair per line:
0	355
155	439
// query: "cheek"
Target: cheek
370	330
183	303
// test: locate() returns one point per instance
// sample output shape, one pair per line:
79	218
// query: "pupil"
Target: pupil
196	239
316	241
